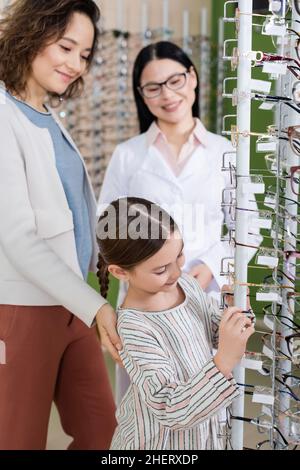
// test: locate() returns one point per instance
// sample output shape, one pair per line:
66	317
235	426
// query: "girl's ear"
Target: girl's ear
118	272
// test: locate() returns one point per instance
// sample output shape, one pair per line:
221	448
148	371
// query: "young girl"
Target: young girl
48	352
168	327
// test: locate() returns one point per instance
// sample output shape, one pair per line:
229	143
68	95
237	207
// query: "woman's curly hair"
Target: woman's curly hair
27	26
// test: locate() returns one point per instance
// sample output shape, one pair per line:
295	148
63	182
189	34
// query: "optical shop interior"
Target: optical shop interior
149	225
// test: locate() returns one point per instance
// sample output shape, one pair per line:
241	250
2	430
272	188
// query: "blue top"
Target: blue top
72	175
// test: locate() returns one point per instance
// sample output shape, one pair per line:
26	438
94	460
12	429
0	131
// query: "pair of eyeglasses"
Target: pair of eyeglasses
294	99
263	219
234	134
174	83
292	268
292	343
284	390
294	178
293	136
293	415
262	57
279	319
259	58
275	195
279	7
271	139
275	166
262	423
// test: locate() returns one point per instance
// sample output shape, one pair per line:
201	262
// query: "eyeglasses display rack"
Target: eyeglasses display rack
276	368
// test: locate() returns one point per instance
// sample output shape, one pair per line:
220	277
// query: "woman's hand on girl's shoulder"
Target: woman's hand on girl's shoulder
106	320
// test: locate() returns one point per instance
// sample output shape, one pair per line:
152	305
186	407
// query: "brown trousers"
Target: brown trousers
51	355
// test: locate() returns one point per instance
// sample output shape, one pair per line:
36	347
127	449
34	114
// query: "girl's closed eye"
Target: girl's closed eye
162	272
164	269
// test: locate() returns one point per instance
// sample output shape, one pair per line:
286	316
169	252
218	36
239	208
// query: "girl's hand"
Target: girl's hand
106	319
234	332
203	274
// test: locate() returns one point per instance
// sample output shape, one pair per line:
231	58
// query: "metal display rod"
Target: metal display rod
243	168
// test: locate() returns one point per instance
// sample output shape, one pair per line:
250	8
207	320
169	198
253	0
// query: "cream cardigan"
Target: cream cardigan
38	258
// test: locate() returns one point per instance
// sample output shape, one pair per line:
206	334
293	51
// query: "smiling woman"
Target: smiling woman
50	350
62	24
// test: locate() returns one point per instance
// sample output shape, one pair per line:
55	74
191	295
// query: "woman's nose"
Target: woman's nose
166	92
74	63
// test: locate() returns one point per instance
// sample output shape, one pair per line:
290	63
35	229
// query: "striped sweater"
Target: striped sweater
176	391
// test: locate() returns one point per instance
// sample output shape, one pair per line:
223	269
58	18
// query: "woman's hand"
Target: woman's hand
203	274
106	319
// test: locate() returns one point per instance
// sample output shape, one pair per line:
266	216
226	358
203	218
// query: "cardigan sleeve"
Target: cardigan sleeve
29	254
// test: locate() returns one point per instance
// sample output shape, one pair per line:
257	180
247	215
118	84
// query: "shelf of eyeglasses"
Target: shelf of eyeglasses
280	220
279	258
124	38
268	100
118	122
270	290
264	424
272	64
101	117
103	152
84	130
286	437
274	24
279	347
266	141
103	100
98	93
94	148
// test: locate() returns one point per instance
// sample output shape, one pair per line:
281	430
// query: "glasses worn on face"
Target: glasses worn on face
175	82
